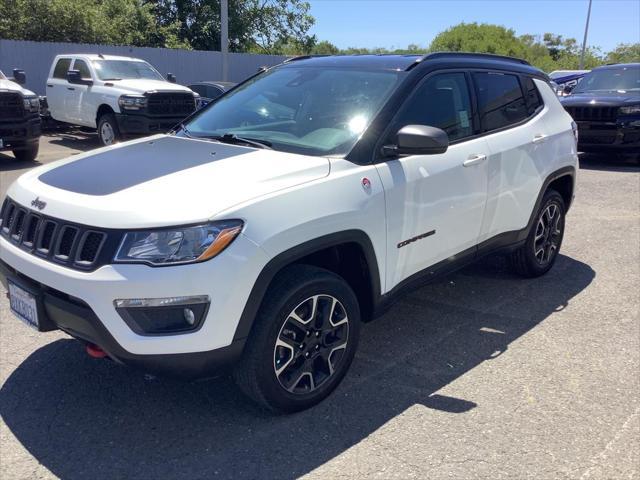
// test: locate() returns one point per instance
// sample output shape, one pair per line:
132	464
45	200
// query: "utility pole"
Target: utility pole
224	38
584	40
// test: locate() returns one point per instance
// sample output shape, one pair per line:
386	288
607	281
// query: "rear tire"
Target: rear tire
108	131
539	252
28	154
303	340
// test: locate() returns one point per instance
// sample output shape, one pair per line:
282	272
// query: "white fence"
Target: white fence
188	65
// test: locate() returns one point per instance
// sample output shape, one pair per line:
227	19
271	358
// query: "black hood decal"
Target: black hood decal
109	172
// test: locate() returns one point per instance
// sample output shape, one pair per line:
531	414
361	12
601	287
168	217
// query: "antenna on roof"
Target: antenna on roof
101	56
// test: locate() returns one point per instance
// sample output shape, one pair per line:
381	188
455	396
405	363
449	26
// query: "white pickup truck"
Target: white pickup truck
119	96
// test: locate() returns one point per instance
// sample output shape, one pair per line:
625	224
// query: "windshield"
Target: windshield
122	69
306	110
610	79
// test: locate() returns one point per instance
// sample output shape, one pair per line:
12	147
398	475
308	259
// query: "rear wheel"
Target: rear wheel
303	341
27	154
108	131
539	253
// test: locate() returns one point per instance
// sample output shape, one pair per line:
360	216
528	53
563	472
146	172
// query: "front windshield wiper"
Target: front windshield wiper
110	79
185	130
232	138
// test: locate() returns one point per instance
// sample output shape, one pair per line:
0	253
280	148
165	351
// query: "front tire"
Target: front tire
539	253
108	131
28	154
303	341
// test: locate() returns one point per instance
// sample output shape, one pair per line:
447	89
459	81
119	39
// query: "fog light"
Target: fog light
162	316
189	316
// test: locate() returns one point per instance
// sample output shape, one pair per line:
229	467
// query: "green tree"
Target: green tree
475	37
624	53
115	22
259	26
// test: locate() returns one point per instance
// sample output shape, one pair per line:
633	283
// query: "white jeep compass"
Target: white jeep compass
261	233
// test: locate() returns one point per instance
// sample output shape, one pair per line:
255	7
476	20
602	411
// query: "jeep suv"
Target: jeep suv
606	106
20	126
118	96
261	233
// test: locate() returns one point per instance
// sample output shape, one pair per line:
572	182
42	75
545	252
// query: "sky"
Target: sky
389	23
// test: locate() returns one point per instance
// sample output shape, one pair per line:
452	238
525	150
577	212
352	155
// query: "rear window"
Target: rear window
500	100
534	102
62	67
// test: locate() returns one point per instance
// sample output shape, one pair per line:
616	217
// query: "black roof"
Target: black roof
617	65
408	62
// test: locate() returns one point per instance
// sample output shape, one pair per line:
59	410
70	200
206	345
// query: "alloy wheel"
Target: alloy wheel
548	234
311	344
107	134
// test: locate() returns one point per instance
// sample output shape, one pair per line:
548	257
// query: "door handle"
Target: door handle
49	85
70	88
474	159
539	138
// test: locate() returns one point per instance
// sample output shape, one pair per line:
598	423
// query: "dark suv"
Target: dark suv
606	107
19	117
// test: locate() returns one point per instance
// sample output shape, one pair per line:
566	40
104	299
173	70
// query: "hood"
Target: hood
161	181
601	98
13	87
140	85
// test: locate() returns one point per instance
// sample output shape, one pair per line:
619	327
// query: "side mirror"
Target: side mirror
171	78
19	76
418	140
74	76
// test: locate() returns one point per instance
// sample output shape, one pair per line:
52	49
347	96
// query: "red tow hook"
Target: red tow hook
95	351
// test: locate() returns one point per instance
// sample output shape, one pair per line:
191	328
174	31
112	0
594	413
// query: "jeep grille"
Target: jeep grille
75	246
593	114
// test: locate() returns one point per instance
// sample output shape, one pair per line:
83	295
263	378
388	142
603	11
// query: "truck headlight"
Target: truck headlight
629	110
178	245
31	104
132	102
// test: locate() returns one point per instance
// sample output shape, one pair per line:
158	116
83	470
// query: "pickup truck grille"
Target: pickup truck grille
169	103
593	114
75	246
11	106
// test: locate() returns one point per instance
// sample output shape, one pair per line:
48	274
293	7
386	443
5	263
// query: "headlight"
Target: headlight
630	110
31	104
132	102
178	245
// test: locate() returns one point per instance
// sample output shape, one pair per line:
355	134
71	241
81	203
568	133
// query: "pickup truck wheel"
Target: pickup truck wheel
303	340
108	132
539	253
27	154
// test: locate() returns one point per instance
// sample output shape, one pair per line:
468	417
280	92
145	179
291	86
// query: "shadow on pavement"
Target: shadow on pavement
74	139
84	418
610	162
8	162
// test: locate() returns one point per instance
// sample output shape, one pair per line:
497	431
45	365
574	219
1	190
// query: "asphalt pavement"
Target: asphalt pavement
481	375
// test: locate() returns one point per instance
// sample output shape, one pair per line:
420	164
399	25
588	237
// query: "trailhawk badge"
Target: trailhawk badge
39	204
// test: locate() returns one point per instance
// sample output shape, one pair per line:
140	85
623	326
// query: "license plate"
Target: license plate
23	305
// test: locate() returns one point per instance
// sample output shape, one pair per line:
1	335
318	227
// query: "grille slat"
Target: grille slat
593	114
11	105
170	103
73	245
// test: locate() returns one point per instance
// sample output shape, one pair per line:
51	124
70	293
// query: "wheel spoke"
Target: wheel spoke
333	350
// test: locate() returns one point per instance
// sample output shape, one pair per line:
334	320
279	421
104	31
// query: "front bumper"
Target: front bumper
601	136
20	134
81	304
139	124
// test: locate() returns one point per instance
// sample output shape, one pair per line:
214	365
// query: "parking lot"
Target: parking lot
481	375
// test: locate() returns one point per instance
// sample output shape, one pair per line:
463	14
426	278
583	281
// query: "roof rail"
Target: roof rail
487	56
302	57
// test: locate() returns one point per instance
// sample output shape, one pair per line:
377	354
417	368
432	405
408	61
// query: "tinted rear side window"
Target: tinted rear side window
534	102
500	100
62	67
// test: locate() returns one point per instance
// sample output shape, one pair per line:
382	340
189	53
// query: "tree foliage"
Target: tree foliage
624	53
114	22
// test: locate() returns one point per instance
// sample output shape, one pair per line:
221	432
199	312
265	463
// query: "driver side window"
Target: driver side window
441	101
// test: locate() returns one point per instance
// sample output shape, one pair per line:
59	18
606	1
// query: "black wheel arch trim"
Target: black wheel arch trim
296	253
